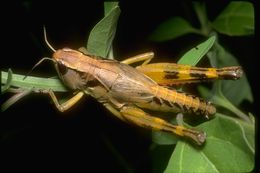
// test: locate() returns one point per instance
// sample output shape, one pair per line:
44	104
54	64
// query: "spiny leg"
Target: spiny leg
68	104
141	118
146	57
173	74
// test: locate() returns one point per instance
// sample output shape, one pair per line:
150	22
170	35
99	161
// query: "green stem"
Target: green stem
37	84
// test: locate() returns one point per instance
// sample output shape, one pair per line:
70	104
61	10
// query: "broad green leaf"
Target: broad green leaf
226	149
219	57
193	56
171	29
237	19
101	37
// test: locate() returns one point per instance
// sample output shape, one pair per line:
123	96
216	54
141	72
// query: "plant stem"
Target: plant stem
36	84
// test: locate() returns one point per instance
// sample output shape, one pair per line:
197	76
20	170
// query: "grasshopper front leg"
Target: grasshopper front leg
143	119
68	104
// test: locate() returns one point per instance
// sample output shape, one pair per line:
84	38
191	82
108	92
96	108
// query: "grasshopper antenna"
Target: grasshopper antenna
46	40
38	63
45	58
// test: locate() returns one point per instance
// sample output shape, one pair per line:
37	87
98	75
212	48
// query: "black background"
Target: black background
34	135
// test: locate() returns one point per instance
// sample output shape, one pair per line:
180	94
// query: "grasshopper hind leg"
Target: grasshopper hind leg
139	117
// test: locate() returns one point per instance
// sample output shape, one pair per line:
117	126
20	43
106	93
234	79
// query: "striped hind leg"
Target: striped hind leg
139	117
173	74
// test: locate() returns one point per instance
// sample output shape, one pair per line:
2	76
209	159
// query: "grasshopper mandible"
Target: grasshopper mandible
125	91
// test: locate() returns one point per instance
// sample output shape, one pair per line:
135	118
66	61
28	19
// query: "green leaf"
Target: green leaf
8	82
108	6
171	29
226	149
219	57
101	37
218	98
237	19
193	56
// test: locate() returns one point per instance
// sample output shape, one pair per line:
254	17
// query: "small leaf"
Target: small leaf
237	19
101	37
193	56
171	29
8	82
226	149
108	6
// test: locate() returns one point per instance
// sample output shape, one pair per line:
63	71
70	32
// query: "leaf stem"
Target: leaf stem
37	84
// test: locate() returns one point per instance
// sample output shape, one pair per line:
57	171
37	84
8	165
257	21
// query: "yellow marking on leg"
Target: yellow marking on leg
143	119
68	104
146	57
179	130
212	73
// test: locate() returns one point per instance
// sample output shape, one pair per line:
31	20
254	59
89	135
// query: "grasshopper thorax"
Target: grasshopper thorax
68	57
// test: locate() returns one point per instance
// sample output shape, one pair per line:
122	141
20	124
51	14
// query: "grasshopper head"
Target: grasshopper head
68	57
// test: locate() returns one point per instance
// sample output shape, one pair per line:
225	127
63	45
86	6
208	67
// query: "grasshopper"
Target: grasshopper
127	91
